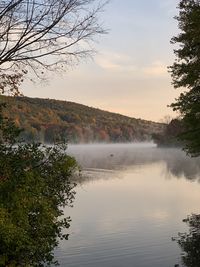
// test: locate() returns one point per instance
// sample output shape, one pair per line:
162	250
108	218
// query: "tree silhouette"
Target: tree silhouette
186	73
40	35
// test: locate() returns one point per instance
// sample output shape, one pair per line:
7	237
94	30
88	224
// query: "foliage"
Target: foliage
170	137
46	120
10	83
35	185
190	242
186	73
45	35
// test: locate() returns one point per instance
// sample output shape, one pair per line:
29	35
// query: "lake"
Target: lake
129	204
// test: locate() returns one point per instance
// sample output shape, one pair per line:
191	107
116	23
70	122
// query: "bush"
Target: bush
35	185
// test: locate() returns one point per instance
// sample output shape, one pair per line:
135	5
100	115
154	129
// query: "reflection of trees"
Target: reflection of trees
179	165
190	242
117	157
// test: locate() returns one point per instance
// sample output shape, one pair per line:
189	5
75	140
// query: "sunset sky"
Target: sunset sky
129	73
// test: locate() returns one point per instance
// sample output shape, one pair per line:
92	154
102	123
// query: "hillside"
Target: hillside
48	120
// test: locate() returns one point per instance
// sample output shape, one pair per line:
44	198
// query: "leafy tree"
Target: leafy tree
170	135
44	35
190	242
186	73
35	185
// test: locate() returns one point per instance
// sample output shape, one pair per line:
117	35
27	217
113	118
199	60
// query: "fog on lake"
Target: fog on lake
130	202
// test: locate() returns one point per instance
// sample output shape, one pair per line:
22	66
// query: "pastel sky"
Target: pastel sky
129	73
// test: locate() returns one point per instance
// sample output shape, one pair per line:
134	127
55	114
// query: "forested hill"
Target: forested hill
48	120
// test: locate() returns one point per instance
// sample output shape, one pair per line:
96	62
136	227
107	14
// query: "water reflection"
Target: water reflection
112	158
190	242
103	162
130	203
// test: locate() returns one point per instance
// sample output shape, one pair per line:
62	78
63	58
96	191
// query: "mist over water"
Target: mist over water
123	156
131	200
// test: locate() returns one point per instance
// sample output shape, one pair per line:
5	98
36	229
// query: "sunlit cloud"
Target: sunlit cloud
157	69
115	62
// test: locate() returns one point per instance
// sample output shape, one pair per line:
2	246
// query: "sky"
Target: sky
128	74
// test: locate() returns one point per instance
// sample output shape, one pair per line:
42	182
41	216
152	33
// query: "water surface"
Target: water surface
130	202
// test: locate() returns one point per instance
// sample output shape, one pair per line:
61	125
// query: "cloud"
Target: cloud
157	68
121	63
115	62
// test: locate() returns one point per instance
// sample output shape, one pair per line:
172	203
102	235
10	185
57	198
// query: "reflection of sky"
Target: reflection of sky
129	74
126	216
112	157
129	221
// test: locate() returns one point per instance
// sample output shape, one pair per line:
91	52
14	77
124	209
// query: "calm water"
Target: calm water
130	202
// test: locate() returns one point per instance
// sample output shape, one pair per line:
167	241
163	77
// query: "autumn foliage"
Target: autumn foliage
47	120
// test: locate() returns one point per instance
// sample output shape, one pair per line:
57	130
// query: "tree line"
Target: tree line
47	121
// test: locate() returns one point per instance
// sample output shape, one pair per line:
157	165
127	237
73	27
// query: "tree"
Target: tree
186	73
170	135
41	35
190	242
35	184
36	181
166	119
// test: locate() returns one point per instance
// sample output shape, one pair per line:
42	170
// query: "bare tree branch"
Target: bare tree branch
42	34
